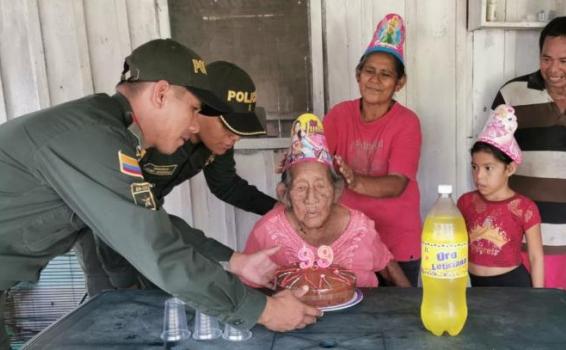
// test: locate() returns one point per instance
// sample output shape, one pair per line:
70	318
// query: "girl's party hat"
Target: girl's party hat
499	130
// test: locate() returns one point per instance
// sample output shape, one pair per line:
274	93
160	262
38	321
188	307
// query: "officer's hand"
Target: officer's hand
257	268
285	312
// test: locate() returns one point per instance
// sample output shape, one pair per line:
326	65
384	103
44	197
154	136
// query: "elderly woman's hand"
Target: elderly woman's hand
257	268
346	171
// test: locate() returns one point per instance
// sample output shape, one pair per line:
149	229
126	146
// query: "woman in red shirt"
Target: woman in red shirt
377	143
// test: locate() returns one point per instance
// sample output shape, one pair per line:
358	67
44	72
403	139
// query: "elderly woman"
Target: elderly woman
310	215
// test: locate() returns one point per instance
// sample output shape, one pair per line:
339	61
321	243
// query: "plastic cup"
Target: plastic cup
175	327
206	327
235	334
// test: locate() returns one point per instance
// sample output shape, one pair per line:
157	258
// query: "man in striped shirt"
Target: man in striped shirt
539	100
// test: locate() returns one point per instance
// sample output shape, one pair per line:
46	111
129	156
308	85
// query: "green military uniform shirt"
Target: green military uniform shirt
73	167
167	171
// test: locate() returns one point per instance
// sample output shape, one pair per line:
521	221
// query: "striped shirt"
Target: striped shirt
541	134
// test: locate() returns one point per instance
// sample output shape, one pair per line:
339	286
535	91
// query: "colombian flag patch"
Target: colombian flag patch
129	165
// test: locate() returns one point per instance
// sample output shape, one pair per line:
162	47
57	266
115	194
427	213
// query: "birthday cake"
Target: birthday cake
328	286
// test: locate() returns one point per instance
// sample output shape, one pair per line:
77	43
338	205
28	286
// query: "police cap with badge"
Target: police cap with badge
166	59
235	87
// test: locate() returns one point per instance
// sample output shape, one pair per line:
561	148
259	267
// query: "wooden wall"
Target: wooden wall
53	51
56	50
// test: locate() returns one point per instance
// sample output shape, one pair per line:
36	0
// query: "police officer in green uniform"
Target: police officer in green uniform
211	150
75	167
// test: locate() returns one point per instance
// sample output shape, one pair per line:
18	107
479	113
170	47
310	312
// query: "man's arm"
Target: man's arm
162	247
229	187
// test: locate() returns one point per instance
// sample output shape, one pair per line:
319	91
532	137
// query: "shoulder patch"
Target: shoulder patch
129	165
142	195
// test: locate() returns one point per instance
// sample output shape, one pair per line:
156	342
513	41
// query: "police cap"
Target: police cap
166	59
235	87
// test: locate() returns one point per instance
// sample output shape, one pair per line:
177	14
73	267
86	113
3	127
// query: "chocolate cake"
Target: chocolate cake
328	286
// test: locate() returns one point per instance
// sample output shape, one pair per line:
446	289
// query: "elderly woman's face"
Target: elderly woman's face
311	193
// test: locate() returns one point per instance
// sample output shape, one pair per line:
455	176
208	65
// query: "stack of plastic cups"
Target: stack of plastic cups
206	327
235	334
175	327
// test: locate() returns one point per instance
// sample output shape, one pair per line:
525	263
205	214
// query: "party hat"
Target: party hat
389	37
499	130
307	142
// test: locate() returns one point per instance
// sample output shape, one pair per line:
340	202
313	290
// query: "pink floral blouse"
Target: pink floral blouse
358	249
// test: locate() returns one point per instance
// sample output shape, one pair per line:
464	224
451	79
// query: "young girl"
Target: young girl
496	217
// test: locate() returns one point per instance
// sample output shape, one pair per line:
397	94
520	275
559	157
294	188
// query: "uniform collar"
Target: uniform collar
126	108
129	121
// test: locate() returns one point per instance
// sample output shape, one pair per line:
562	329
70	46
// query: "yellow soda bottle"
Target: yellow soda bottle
444	266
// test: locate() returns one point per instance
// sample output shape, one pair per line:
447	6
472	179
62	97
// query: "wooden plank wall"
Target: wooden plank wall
52	51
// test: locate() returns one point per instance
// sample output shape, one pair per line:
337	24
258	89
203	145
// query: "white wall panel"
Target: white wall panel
109	41
432	94
464	76
257	167
526	52
148	19
210	214
66	49
340	71
178	202
22	60
317	56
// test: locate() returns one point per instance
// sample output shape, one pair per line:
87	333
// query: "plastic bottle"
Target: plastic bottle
444	267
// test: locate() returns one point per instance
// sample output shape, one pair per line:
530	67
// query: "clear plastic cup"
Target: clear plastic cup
235	334
206	327
175	327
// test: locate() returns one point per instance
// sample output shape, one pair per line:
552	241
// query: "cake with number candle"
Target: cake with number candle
328	286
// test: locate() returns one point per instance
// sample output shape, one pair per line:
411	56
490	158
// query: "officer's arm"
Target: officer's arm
120	272
228	186
84	170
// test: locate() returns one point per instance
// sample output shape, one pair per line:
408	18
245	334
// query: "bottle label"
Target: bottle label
444	260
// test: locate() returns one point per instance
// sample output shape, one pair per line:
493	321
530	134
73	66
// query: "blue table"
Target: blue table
387	318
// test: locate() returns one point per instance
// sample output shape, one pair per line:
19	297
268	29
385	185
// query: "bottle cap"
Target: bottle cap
445	189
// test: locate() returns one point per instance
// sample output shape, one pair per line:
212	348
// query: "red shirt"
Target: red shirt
496	229
388	145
